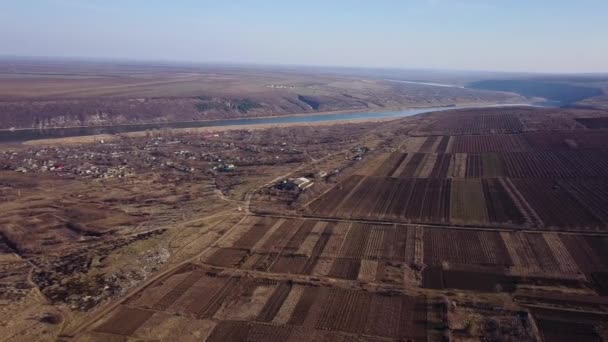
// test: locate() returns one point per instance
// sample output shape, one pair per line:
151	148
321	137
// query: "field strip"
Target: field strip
309	243
348	196
267	235
314	281
448	148
410	244
436	225
339	251
367	271
289	305
572	310
402	166
521	202
426	167
321	195
565	261
419	246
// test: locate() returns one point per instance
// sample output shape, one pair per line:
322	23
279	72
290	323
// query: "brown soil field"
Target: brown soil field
503	120
484	123
384	254
242	311
594	123
421	200
531	141
556	325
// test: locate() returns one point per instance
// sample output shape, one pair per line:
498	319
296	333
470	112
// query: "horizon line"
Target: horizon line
177	62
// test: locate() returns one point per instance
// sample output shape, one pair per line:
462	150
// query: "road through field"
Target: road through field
429	225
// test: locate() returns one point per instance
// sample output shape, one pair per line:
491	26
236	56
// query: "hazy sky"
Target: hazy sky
509	35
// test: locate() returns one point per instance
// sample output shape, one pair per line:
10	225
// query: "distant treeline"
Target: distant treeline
314	104
242	106
555	91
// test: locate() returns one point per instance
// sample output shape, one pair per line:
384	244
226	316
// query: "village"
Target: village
226	155
128	157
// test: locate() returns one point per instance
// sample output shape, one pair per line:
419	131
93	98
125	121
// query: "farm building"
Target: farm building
292	184
226	167
303	183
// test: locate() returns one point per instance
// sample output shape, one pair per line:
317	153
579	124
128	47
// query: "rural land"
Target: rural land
482	223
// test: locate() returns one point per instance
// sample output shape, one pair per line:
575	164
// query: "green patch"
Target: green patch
205	106
243	106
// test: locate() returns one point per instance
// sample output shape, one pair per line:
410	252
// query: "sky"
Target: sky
487	35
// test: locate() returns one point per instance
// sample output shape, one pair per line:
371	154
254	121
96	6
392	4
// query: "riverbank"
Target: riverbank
89	139
38	134
376	110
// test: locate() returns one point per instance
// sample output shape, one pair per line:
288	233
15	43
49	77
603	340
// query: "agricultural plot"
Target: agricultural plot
563	300
412	144
391	164
468	203
430	144
224	301
594	123
488	143
566	204
524	253
370	253
421	200
545	164
560	325
556	164
532	164
500	205
590	253
350	251
467	278
443	163
333	198
527	142
261	309
404	200
510	260
459	123
566	140
455	246
563	187
444	144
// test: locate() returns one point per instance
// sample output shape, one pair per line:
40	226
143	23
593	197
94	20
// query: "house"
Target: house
321	174
303	183
286	185
292	184
226	167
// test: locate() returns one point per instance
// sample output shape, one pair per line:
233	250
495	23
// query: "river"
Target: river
444	85
21	135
